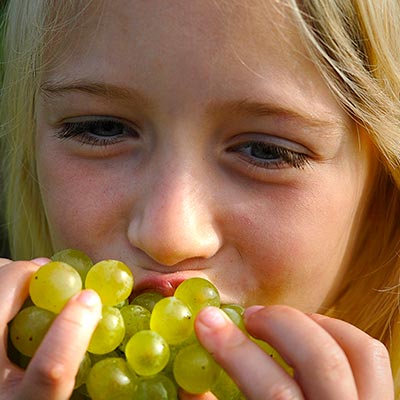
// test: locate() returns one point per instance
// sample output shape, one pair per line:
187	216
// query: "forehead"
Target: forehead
227	45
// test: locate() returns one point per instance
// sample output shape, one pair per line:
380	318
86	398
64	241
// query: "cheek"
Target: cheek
82	208
297	244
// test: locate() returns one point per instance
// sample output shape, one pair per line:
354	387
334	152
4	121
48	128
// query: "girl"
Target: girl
253	143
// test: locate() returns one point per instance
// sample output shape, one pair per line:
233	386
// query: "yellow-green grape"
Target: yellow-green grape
28	329
109	332
172	319
112	280
53	284
195	370
174	350
156	387
235	316
147	299
83	371
147	353
75	258
111	379
198	293
95	358
237	307
274	355
226	389
136	318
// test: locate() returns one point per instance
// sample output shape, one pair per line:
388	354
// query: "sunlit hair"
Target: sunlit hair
356	46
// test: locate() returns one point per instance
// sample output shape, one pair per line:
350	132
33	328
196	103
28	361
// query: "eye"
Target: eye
98	132
267	155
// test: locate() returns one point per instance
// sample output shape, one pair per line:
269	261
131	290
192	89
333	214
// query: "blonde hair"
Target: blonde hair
356	46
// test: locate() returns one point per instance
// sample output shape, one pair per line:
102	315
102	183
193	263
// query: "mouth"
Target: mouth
164	284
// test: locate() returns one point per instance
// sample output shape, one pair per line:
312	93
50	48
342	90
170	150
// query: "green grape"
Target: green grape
198	293
109	332
156	387
95	358
274	354
172	319
195	370
234	316
237	307
147	353
147	299
225	389
83	371
136	318
75	258
53	284
111	379
112	280
174	350
28	329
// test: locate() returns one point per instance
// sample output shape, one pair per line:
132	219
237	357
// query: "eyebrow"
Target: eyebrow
246	107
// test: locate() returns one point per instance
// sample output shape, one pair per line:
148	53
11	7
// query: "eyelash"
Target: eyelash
84	132
282	157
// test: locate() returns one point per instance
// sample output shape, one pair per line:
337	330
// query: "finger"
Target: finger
14	288
188	396
255	373
51	373
318	361
368	358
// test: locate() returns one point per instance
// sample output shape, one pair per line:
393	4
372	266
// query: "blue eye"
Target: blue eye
268	155
98	132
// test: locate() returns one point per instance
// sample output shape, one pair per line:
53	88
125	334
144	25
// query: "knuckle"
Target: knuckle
50	373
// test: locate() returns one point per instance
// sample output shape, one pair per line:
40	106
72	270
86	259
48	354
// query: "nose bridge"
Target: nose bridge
175	219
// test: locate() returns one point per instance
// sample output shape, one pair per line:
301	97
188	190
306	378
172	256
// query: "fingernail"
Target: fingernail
251	310
88	298
41	261
212	317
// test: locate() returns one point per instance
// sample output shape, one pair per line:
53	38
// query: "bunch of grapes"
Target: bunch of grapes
142	349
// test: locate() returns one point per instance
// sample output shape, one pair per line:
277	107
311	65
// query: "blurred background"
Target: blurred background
4	252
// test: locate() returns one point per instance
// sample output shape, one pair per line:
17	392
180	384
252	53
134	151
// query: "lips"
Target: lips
165	284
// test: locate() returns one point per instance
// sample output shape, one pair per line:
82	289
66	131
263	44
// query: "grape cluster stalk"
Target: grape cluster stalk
142	349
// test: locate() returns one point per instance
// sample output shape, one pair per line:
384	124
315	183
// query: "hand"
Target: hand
51	372
332	359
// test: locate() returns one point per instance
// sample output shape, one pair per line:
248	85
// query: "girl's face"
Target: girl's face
198	139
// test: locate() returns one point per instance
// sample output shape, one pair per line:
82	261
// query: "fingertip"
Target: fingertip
212	318
251	311
89	298
41	261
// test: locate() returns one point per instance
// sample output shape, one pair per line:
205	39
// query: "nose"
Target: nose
174	220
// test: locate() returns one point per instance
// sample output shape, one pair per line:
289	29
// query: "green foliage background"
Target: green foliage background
4	252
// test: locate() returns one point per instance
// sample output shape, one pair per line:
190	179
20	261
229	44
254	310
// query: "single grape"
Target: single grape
147	299
53	284
195	370
172	319
156	387
136	318
83	371
226	389
28	329
95	358
198	293
147	353
75	258
235	316
112	280
109	332
111	379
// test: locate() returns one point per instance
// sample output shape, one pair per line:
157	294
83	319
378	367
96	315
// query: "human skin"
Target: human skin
223	155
